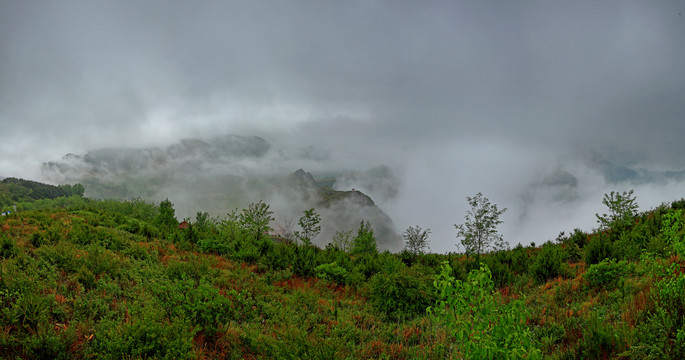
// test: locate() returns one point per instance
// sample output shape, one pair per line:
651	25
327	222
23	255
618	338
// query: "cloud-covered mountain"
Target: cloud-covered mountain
227	172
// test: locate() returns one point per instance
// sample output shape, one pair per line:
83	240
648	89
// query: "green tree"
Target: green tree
255	219
622	208
547	264
671	226
78	189
365	241
166	216
416	239
310	224
479	232
342	240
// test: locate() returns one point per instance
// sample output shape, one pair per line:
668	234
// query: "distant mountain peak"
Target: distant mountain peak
302	177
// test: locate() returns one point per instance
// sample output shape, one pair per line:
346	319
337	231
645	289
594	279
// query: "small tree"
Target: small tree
479	232
622	208
365	242
285	229
416	239
255	219
310	224
166	217
342	240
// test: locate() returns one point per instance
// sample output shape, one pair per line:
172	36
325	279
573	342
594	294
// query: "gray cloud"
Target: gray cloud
454	97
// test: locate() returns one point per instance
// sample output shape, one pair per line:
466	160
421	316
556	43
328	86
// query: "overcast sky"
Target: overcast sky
511	98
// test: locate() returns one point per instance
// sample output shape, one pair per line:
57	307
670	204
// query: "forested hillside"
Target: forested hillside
82	278
13	190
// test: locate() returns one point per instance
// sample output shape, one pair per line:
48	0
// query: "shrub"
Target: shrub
367	265
629	245
280	257
144	339
195	268
407	257
520	261
365	241
572	253
86	278
578	237
598	249
62	255
400	295
36	239
607	274
332	272
217	245
46	344
30	310
498	263
600	340
305	260
54	234
678	204
8	249
547	264
671	226
484	327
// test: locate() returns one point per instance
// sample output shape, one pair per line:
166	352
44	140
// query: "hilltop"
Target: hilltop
14	190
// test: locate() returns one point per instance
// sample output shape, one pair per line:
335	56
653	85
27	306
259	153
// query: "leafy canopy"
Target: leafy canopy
255	219
365	242
166	217
416	239
310	223
622	208
479	233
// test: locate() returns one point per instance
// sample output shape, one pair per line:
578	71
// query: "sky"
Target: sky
536	104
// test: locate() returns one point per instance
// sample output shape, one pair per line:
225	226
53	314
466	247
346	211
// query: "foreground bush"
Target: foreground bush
483	326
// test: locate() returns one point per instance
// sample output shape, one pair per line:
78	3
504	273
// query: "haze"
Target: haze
542	106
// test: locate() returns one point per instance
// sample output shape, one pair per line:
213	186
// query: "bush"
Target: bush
578	237
607	274
217	245
498	263
367	265
332	272
400	295
148	338
520	261
484	327
36	239
547	264
46	344
280	257
86	278
678	204
629	245
598	249
305	260
365	241
8	249
600	340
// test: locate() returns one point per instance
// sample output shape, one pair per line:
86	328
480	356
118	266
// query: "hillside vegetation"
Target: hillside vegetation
82	278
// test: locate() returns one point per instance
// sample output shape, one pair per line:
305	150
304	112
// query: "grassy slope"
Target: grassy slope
96	281
91	289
